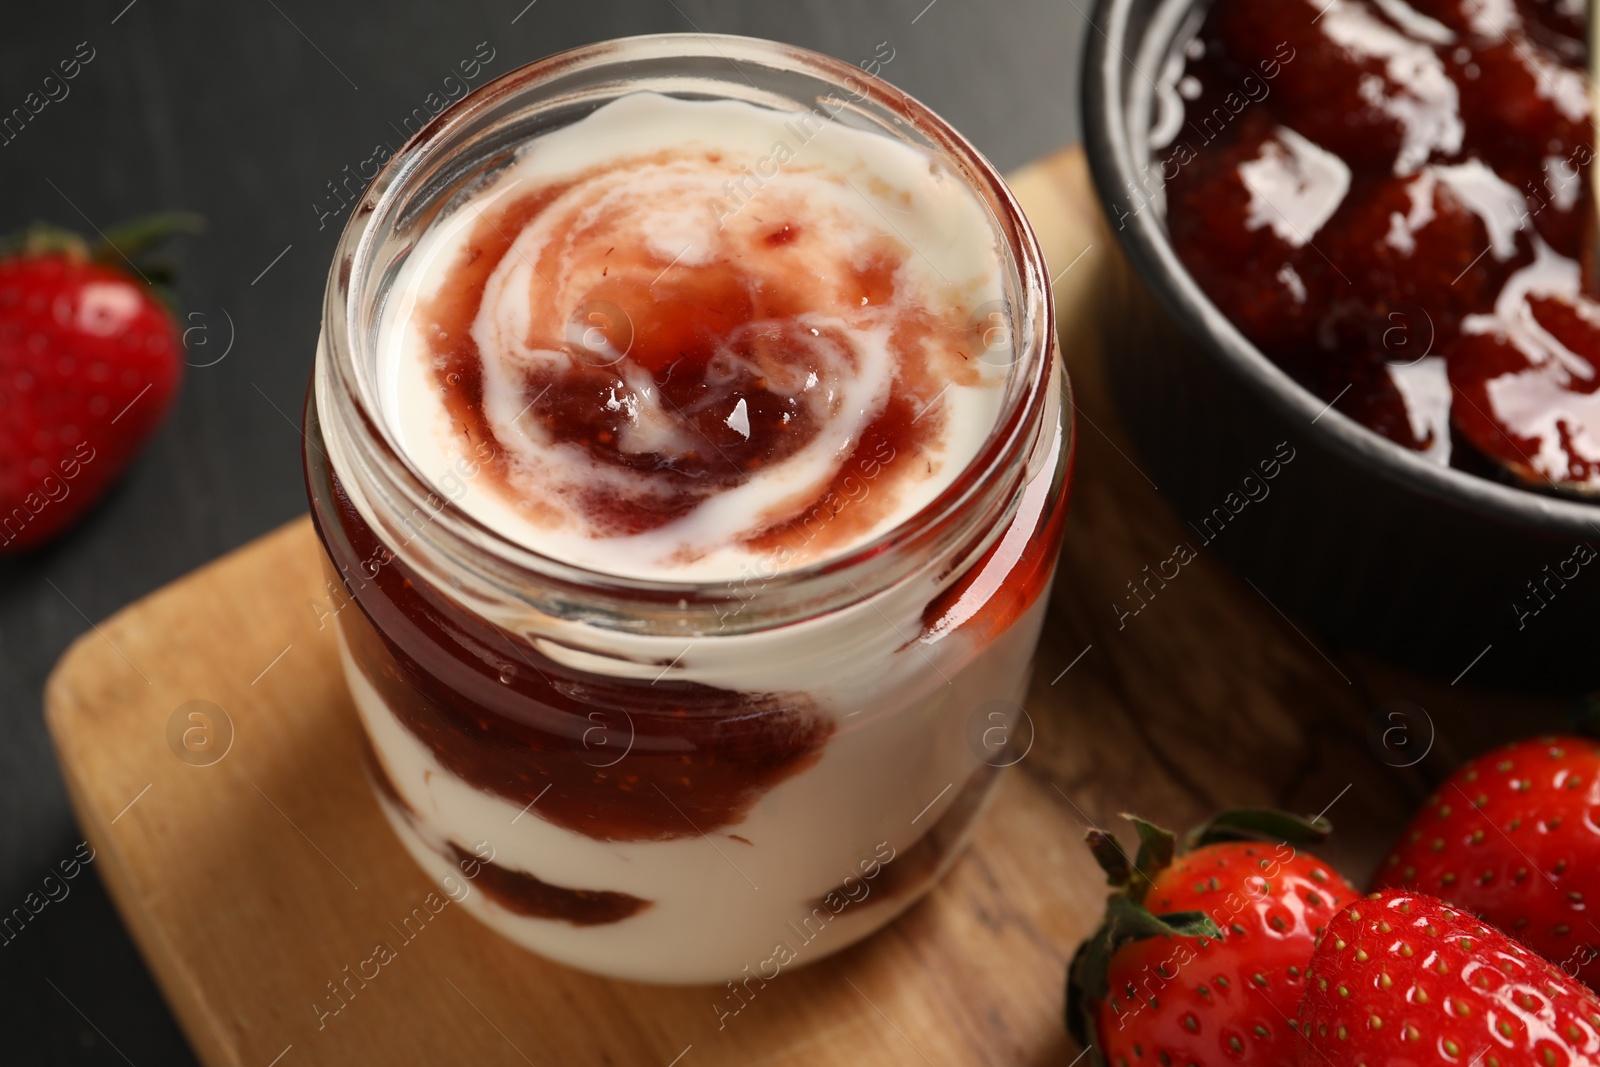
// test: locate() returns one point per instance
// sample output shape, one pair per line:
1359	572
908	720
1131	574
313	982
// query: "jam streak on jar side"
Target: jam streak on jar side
526	895
506	719
677	381
516	891
1004	583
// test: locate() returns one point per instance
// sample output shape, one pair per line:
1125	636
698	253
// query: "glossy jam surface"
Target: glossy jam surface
1391	200
674	356
732	366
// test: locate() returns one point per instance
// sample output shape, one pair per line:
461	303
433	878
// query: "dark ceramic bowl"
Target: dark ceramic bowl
1376	546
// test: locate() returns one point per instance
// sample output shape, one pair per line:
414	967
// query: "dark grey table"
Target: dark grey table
243	111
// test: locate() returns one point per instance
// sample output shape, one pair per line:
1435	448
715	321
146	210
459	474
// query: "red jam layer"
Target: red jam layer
1349	274
613	759
523	894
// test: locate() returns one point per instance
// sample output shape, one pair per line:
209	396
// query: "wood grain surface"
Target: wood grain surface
253	881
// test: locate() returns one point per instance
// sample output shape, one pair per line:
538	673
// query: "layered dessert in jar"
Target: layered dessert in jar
1392	200
690	451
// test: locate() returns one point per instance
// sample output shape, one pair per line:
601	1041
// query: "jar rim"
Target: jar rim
464	539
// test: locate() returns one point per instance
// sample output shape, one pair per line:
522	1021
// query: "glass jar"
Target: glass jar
670	781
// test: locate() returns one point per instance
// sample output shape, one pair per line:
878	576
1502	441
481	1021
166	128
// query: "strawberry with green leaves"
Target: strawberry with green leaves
1201	958
89	363
1403	978
1514	838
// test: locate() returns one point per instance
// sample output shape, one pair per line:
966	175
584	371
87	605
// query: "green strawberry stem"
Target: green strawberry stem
135	237
1127	919
1246	824
1157	847
1108	853
43	239
126	245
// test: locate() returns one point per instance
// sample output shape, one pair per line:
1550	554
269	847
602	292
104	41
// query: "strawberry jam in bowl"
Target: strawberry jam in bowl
690	448
1364	224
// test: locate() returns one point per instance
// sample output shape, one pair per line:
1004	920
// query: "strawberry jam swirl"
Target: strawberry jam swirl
679	358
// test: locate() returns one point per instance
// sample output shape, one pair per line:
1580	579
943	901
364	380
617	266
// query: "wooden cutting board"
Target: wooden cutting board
254	876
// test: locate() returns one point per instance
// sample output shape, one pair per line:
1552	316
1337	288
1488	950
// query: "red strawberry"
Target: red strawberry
1527	386
1259	269
1521	102
1201	957
1402	978
1414	245
89	361
1513	837
1348	80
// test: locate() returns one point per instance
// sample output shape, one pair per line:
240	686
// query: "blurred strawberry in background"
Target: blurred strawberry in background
90	360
